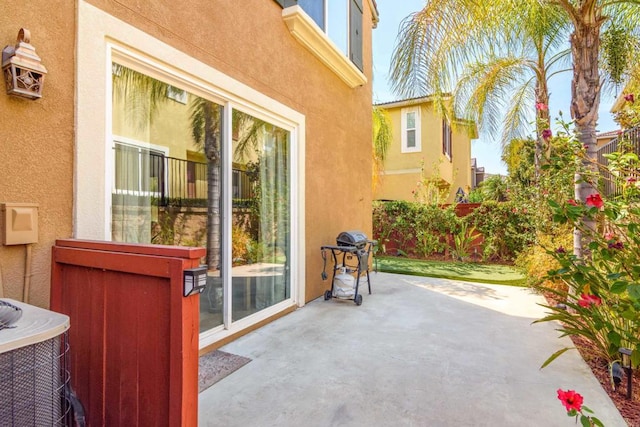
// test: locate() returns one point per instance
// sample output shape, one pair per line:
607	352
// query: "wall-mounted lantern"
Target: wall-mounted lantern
21	67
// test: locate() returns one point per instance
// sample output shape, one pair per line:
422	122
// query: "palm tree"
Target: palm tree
489	55
588	17
382	137
448	36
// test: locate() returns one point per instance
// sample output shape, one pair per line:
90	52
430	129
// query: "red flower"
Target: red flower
586	300
561	250
629	97
609	236
572	202
541	106
595	200
631	180
546	134
571	400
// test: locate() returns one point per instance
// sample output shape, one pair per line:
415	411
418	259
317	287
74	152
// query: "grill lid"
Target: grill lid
352	238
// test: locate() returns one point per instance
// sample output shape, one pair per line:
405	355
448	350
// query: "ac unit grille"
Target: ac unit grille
32	383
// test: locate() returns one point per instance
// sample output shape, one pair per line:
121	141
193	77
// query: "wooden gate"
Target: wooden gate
133	335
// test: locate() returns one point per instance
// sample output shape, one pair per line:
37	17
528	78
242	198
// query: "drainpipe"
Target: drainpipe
27	274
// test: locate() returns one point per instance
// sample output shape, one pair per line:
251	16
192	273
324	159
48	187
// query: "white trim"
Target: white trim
305	30
101	38
375	17
403	129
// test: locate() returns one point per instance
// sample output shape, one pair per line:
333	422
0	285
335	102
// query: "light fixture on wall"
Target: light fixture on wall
21	67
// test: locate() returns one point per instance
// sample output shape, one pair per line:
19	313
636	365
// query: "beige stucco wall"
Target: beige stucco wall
252	44
37	140
402	170
248	42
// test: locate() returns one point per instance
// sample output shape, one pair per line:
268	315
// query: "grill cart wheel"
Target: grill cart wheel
327	295
358	299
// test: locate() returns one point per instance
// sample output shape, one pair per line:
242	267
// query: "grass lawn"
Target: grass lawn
471	272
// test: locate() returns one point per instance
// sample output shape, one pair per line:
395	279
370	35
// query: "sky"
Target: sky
485	149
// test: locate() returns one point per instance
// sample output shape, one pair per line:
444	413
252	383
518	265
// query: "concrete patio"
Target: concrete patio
418	352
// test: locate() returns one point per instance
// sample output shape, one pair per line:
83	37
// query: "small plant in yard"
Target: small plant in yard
572	401
463	241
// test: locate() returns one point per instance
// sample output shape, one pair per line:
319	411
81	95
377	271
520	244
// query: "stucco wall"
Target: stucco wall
253	45
37	140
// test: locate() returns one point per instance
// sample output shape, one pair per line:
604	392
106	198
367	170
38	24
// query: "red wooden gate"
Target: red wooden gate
133	335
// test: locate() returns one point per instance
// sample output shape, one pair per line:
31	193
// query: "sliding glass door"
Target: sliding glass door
181	177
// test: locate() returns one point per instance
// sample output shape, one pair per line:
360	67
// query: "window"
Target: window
411	139
341	20
139	171
446	139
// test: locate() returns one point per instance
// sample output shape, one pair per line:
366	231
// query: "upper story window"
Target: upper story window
341	20
446	139
410	123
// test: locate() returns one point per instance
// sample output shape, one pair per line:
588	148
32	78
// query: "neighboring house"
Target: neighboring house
604	138
97	170
425	146
478	174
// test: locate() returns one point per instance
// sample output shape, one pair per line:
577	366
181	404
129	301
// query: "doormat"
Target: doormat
214	366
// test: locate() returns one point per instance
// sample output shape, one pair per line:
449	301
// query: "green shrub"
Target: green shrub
507	229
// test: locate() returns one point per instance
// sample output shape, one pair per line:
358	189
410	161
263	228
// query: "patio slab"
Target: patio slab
418	352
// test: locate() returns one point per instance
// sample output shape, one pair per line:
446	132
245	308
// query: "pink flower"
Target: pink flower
595	200
629	98
609	236
541	106
631	180
587	300
572	202
585	146
546	134
571	400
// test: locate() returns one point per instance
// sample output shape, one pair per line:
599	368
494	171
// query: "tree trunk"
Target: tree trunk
585	95
212	152
542	122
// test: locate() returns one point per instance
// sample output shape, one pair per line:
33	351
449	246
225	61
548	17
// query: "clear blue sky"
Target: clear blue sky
486	149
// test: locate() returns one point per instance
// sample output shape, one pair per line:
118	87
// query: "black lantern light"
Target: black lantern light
21	67
625	354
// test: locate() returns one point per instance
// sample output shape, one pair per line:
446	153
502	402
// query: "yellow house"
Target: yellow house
425	148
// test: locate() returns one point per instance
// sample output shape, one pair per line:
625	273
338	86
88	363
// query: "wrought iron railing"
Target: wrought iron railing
631	137
169	181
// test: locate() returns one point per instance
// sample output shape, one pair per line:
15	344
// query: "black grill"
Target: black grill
352	238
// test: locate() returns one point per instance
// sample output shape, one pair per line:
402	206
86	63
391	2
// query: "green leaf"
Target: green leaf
586	409
597	422
635	358
618	287
579	278
554	356
634	291
584	420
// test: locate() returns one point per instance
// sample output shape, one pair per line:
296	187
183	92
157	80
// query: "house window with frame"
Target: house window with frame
411	138
341	20
447	139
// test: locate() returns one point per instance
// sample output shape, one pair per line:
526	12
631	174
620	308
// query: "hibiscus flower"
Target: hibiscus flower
595	200
586	300
571	400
